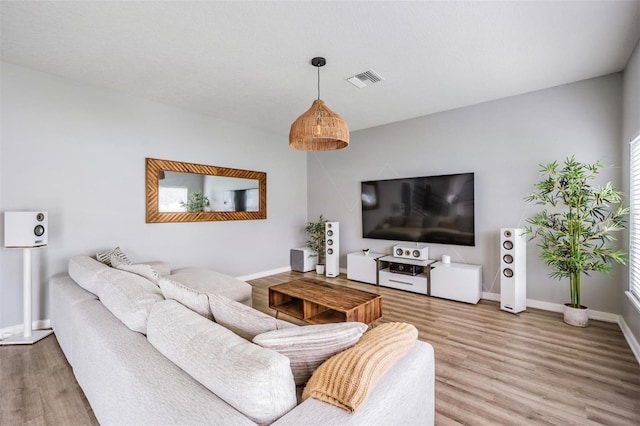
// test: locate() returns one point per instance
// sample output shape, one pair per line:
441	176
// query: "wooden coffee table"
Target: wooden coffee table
318	302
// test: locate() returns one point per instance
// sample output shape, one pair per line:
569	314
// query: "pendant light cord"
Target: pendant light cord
318	83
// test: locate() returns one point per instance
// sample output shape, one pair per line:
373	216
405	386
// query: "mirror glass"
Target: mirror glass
187	192
191	192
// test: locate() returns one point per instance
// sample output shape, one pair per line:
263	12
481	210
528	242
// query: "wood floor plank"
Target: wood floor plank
492	367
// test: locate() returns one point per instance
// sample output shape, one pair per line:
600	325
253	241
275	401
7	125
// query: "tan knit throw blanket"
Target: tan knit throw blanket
346	378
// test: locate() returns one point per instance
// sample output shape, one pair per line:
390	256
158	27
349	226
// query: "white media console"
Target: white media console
362	266
454	281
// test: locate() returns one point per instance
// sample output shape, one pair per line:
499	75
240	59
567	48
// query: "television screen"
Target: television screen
430	209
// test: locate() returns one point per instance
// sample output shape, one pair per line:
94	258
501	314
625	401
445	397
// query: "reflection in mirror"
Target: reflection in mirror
190	192
186	192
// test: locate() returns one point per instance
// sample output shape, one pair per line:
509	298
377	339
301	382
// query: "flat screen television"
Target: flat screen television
429	209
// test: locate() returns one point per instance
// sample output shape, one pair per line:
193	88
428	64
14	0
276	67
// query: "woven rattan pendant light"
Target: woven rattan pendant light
319	129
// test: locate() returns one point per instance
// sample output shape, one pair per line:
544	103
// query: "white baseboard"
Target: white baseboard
631	339
557	307
264	274
491	296
19	329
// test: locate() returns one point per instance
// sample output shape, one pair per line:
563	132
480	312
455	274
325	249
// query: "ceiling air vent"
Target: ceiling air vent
365	79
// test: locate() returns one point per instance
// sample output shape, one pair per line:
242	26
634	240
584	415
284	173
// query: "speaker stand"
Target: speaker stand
29	336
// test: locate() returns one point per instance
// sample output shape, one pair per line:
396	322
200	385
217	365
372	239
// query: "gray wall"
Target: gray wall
502	142
79	152
631	128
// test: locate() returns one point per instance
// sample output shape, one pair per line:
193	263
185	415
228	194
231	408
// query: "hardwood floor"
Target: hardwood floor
37	387
492	367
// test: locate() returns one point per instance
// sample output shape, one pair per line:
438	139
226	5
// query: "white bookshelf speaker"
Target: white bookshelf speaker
513	270
332	254
25	229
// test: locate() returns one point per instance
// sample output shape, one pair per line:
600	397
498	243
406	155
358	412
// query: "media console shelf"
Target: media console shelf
415	283
454	281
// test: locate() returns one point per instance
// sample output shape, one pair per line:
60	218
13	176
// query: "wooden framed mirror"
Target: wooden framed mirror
187	192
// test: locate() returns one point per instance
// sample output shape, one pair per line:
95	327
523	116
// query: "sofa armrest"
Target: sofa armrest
404	396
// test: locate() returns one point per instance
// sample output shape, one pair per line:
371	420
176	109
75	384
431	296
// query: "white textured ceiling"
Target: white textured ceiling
249	61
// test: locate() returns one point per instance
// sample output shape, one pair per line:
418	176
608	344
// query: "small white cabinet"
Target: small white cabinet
362	267
456	281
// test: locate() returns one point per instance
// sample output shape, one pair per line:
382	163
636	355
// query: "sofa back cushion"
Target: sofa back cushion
86	272
191	298
255	381
129	297
243	320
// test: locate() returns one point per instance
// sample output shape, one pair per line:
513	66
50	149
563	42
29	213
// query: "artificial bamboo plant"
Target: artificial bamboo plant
574	230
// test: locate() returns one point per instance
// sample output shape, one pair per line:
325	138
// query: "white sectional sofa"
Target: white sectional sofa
145	360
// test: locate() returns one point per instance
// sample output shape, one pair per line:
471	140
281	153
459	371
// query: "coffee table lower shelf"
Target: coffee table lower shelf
295	308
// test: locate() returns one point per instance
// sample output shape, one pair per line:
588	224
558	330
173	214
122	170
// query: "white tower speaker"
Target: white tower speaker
332	255
513	270
25	229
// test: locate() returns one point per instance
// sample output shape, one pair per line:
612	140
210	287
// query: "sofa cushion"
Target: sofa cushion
105	256
346	379
64	296
207	281
241	319
144	270
255	381
87	271
192	299
128	382
309	346
129	297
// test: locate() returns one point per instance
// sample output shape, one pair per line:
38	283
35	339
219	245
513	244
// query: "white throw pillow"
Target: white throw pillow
255	381
309	346
242	319
192	299
105	256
